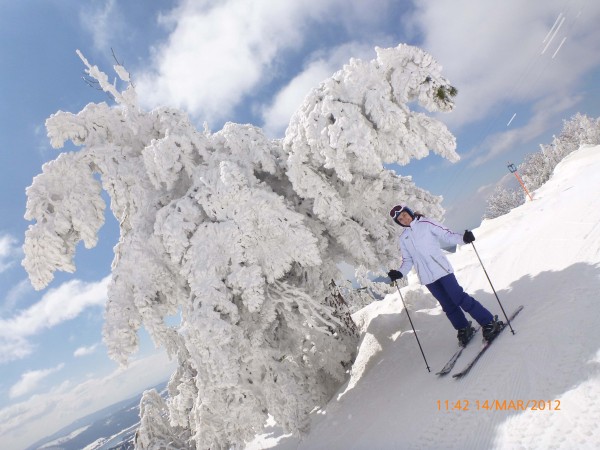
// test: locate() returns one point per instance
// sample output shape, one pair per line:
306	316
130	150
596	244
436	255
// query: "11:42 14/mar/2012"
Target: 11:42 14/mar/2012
498	405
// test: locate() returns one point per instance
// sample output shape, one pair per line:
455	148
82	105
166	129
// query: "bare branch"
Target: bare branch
122	64
91	82
94	84
115	57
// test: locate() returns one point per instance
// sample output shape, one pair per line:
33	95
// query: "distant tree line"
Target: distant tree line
537	167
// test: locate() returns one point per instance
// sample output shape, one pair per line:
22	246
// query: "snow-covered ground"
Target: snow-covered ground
57	442
544	255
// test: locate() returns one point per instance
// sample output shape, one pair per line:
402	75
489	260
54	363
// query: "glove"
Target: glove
394	275
468	237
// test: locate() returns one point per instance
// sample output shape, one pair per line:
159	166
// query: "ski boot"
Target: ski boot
491	330
465	334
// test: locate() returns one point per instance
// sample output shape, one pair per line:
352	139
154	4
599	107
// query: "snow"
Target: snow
543	255
57	442
107	443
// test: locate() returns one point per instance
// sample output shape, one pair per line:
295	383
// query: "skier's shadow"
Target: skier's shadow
557	333
552	361
560	314
553	355
394	329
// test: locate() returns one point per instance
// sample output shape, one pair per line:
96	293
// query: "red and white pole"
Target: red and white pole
513	169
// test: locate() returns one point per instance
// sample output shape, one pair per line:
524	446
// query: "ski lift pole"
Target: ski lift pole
497	298
513	169
412	326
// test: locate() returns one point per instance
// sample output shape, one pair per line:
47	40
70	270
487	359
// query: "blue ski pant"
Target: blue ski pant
455	300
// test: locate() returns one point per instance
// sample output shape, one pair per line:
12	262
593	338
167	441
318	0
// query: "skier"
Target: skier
419	246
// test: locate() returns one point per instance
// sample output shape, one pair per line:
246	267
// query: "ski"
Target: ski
469	366
450	364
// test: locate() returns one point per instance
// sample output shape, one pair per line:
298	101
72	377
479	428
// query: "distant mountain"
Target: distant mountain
111	428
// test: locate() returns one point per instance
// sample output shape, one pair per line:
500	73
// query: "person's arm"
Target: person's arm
443	233
407	260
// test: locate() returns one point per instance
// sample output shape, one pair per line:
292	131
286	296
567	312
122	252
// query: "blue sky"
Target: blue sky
248	62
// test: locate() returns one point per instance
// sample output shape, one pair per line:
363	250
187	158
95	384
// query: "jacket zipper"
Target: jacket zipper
440	264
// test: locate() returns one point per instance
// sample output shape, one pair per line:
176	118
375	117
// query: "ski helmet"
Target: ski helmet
396	210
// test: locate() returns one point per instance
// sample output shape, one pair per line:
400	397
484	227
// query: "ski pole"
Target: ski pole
412	326
499	302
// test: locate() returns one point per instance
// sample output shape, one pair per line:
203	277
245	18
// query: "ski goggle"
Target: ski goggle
396	210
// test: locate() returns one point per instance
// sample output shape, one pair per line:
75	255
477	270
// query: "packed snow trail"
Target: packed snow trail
454	359
470	364
544	255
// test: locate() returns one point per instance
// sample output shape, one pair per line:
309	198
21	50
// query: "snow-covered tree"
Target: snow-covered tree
358	297
537	167
502	201
239	235
155	431
577	131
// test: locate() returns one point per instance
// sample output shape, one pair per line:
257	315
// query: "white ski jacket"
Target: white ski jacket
420	247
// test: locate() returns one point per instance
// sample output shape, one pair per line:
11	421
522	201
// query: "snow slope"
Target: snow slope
544	255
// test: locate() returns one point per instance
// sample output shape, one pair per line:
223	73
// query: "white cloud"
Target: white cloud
9	251
277	115
30	381
84	351
23	423
493	54
219	52
467	212
56	306
43	147
543	113
13	348
100	22
15	294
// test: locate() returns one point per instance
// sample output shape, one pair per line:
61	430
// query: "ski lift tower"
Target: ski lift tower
513	169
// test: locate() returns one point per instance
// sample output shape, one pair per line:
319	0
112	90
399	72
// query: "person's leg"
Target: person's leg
453	312
460	298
